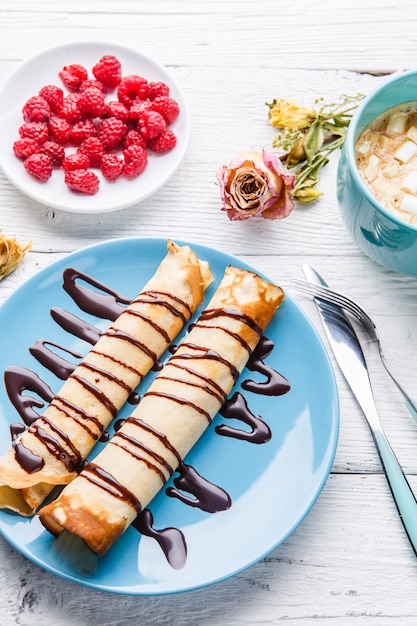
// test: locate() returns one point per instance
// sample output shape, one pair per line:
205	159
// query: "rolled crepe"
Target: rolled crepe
178	406
52	450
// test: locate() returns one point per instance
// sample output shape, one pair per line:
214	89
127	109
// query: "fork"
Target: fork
339	299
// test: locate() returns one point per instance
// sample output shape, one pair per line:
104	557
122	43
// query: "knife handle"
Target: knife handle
411	406
400	488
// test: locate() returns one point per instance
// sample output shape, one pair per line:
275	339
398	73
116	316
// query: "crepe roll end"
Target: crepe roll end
192	260
256	297
74	517
14	500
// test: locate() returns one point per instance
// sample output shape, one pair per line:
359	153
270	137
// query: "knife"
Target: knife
350	358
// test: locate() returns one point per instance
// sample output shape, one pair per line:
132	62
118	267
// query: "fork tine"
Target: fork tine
329	295
337	299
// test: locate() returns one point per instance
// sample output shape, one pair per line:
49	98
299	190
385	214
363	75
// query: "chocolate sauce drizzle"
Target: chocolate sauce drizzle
19	379
206	354
70	458
98	476
171	540
154	297
275	384
140	452
76	326
52	361
189	486
236	407
207	496
91	301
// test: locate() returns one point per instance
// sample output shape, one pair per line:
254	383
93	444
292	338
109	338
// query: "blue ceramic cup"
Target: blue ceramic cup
383	236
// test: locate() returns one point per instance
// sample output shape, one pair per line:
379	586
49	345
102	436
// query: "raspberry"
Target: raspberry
82	181
114	136
139	107
91	82
133	137
94	149
55	152
164	142
111	132
108	70
82	130
36	109
72	76
25	147
136	160
70	110
132	87
60	130
34	130
39	166
151	124
75	161
111	166
167	107
91	103
54	97
157	89
118	110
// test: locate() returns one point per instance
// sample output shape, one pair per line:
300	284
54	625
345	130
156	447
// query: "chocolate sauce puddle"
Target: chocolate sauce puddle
99	304
171	540
52	361
236	407
16	429
76	326
207	496
31	462
275	384
19	379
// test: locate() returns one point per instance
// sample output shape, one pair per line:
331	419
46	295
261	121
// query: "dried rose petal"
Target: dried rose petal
256	184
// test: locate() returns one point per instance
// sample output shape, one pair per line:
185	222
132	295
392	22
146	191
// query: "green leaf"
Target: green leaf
313	140
334	129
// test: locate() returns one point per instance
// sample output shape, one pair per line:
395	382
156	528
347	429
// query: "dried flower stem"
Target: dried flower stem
309	136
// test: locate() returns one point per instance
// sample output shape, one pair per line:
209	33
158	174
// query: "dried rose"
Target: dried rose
11	253
255	184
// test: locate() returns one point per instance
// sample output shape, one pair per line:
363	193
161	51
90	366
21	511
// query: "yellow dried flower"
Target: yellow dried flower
308	137
11	253
307	194
289	114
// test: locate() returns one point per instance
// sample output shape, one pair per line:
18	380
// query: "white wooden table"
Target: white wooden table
349	562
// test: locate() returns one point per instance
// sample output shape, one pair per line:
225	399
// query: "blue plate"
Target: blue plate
272	485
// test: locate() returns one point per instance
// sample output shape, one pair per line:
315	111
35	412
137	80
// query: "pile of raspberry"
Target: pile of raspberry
107	121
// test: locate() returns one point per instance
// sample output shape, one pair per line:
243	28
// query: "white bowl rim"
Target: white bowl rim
92	205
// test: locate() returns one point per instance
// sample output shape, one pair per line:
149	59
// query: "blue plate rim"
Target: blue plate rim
201	250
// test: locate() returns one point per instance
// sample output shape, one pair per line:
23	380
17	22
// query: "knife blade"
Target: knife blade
351	361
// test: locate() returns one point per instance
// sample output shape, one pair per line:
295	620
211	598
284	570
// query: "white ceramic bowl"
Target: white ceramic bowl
43	69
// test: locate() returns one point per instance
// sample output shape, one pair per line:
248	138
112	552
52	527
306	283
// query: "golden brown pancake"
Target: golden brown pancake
175	411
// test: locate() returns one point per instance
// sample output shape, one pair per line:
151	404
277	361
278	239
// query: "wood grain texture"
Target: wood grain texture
349	562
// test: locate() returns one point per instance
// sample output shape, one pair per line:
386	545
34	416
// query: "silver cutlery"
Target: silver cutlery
320	290
350	358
